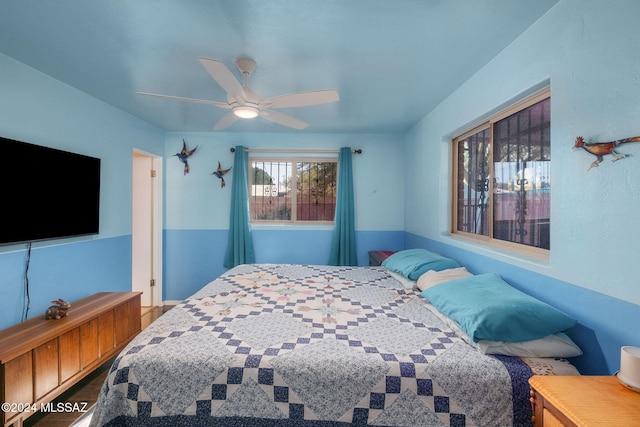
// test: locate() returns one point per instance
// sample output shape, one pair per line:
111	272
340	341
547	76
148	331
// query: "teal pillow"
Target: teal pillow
412	263
486	307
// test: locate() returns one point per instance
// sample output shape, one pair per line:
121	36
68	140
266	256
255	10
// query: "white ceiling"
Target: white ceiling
391	61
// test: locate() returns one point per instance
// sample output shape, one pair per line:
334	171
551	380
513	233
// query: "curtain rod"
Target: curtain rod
266	150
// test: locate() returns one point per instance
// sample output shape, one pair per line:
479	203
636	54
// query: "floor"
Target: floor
88	389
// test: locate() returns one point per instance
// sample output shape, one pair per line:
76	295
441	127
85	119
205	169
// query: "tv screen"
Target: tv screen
47	193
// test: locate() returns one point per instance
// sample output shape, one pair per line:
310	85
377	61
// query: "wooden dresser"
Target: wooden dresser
583	401
40	359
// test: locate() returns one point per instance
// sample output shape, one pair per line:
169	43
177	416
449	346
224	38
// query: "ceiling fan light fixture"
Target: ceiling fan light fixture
246	112
246	103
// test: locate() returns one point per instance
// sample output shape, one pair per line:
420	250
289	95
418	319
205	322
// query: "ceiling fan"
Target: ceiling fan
246	103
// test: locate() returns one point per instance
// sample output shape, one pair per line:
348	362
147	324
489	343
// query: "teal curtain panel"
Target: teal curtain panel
343	244
240	243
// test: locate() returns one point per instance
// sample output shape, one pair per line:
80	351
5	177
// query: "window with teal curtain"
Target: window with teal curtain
343	244
240	243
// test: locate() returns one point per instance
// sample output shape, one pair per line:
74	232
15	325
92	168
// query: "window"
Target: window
502	183
293	190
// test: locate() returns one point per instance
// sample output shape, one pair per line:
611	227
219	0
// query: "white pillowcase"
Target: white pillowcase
556	345
432	277
406	283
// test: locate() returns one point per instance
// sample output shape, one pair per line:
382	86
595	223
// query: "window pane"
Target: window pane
522	186
277	186
270	197
316	192
473	196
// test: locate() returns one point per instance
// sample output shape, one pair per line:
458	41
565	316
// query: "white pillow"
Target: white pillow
432	277
406	283
556	345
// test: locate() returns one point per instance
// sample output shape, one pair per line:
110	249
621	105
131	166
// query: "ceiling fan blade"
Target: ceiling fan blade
223	77
181	98
226	121
283	119
303	99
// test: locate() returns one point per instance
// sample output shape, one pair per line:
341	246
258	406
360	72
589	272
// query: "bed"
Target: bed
308	345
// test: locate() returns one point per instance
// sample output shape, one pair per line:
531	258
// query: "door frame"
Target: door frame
156	232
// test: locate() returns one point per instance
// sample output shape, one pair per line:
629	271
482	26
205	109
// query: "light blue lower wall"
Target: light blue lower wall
604	323
313	246
193	258
69	271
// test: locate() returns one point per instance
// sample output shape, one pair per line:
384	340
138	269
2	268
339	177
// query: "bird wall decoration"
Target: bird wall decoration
600	149
220	173
184	154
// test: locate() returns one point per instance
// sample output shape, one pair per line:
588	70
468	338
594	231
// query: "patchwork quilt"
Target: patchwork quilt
304	345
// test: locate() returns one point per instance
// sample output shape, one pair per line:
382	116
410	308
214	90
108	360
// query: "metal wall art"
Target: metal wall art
220	173
184	154
600	149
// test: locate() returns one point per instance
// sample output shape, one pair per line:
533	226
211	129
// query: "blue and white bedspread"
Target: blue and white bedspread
302	345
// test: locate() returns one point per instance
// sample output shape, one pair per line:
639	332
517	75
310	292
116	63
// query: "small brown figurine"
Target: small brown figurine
57	310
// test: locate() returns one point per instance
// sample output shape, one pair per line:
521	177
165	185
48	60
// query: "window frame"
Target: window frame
294	161
488	124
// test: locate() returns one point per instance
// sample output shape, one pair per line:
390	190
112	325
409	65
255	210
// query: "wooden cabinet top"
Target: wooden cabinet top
27	335
590	400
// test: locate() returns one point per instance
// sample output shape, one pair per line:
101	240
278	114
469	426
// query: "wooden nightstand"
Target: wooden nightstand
583	401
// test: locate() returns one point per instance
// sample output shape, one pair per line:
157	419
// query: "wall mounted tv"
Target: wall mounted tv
47	193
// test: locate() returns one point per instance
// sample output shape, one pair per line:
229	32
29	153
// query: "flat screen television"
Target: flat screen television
46	193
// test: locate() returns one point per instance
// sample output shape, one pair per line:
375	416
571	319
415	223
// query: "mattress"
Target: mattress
308	345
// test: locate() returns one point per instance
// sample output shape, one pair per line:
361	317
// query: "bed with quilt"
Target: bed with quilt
309	345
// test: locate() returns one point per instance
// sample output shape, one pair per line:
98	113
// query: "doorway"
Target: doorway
146	228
